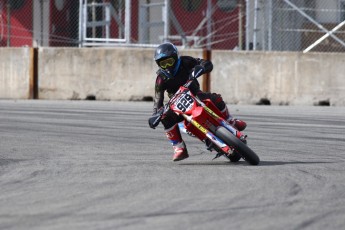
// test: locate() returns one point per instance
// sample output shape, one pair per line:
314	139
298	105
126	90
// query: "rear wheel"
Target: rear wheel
247	154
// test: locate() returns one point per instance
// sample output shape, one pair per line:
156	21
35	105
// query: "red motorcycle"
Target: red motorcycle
203	120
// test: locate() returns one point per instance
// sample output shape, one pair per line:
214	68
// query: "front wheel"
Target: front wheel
247	154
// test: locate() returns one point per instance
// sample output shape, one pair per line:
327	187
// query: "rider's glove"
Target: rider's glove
197	72
155	119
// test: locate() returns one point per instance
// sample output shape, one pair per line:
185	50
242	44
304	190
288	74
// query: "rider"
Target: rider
174	71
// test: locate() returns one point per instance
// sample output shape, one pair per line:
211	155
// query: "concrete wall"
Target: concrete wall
108	74
16	73
129	74
282	77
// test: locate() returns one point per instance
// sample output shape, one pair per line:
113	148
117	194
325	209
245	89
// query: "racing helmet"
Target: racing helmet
167	58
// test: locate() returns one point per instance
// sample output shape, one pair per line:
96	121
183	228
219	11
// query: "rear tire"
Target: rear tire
247	154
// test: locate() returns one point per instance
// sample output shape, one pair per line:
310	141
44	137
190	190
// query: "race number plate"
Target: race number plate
184	103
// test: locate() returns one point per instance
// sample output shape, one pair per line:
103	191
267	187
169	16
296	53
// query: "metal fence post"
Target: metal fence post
8	24
128	22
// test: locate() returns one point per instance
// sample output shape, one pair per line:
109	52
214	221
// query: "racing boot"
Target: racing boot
174	136
236	123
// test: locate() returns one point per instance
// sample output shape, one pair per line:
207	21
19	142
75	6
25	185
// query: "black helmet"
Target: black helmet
166	57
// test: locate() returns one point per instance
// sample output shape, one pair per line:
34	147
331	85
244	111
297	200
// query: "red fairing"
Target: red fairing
209	104
204	119
197	111
183	102
192	108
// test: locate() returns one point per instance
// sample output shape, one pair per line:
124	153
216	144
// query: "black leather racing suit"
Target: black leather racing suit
171	85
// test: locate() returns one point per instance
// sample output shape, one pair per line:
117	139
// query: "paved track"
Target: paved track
97	165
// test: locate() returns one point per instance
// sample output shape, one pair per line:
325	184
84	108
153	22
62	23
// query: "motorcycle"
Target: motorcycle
203	120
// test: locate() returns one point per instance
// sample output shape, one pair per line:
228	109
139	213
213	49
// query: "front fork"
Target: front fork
209	135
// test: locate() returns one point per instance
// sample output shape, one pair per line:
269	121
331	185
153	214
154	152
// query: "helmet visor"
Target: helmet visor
169	62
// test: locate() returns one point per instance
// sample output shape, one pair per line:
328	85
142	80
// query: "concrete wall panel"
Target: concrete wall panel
282	77
15	73
108	74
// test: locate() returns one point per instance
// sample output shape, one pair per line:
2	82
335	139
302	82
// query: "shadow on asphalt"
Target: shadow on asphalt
212	163
273	163
243	163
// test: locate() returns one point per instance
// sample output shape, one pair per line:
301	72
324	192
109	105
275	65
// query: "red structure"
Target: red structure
56	22
57	26
224	22
19	27
63	26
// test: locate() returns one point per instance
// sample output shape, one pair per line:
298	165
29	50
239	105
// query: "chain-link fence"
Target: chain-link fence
298	25
273	25
39	23
15	26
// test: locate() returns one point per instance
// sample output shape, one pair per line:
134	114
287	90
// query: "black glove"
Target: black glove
197	72
155	119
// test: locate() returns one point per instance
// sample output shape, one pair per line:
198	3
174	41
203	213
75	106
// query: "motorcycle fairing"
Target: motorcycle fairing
200	121
183	102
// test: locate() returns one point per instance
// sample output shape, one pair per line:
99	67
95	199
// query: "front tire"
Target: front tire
247	154
234	157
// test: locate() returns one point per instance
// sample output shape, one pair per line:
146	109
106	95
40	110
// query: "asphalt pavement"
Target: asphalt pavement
97	165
